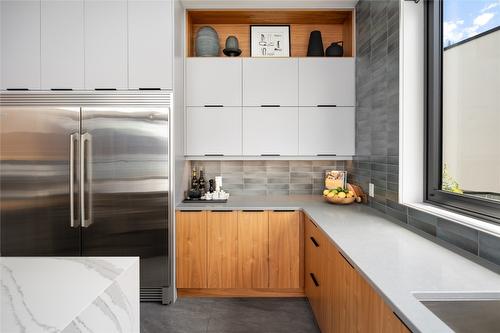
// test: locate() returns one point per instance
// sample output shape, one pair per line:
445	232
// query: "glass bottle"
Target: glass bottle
194	180
201	182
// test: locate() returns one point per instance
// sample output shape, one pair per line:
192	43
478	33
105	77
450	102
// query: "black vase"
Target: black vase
315	47
335	50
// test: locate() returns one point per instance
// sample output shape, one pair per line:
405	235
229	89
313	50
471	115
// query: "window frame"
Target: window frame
462	203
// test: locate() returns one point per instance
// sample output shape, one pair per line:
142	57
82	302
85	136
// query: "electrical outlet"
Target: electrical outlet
371	190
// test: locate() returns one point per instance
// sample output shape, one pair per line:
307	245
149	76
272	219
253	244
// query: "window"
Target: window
463	106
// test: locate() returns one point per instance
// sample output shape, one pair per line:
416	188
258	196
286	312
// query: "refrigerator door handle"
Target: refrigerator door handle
86	180
74	140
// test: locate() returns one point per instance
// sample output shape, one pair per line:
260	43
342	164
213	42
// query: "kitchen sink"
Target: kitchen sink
465	312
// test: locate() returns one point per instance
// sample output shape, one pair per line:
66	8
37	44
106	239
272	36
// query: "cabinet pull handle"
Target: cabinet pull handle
61	89
326	105
149	88
214	154
314	279
270	155
74	142
346	260
326	154
283	210
222	211
105	89
270	106
252	210
314	241
213	105
17	89
190	210
86	214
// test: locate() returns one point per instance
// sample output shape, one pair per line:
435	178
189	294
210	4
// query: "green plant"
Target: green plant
449	183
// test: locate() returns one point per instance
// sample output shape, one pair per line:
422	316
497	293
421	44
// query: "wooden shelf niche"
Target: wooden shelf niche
335	25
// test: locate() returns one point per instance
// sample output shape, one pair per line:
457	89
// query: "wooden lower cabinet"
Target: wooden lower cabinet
191	249
285	255
344	301
222	249
240	253
253	247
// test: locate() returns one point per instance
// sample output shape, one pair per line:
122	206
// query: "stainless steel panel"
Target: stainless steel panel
35	194
129	181
468	316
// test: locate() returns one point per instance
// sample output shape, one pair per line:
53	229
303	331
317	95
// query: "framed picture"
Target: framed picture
334	179
270	41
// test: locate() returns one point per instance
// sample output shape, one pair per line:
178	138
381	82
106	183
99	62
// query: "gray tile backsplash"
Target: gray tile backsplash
377	129
270	177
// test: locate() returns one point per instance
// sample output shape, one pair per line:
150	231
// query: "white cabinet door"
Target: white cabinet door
150	44
326	131
326	81
270	131
62	44
106	44
20	44
213	131
213	81
270	82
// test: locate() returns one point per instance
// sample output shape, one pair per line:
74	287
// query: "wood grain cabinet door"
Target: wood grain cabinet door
191	249
253	249
285	239
312	279
222	250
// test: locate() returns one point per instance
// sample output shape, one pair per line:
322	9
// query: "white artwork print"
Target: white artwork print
270	41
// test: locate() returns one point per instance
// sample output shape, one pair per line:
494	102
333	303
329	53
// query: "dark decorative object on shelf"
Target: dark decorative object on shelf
232	47
335	50
211	187
194	194
207	42
315	47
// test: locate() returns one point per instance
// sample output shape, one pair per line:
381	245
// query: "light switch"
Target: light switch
371	190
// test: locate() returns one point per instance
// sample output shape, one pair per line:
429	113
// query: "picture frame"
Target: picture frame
270	41
335	179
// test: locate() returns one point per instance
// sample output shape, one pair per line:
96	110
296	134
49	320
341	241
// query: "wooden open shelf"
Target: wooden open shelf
335	25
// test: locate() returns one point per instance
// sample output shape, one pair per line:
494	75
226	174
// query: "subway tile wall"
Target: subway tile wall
270	177
377	129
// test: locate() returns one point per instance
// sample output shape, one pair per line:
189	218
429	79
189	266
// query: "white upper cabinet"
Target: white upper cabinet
150	45
325	131
62	43
270	131
106	44
20	44
213	81
213	131
270	82
326	81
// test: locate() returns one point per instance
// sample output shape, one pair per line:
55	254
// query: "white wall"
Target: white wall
471	113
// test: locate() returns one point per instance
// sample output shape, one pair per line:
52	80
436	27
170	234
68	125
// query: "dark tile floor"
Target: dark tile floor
224	315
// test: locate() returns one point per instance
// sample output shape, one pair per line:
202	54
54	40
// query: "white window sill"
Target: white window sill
486	227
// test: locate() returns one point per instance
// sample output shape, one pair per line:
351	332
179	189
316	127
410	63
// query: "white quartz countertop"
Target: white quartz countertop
69	294
397	262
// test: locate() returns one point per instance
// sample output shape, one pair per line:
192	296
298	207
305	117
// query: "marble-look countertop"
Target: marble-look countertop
69	294
397	262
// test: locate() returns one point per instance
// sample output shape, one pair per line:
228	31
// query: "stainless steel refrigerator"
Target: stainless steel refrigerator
87	174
